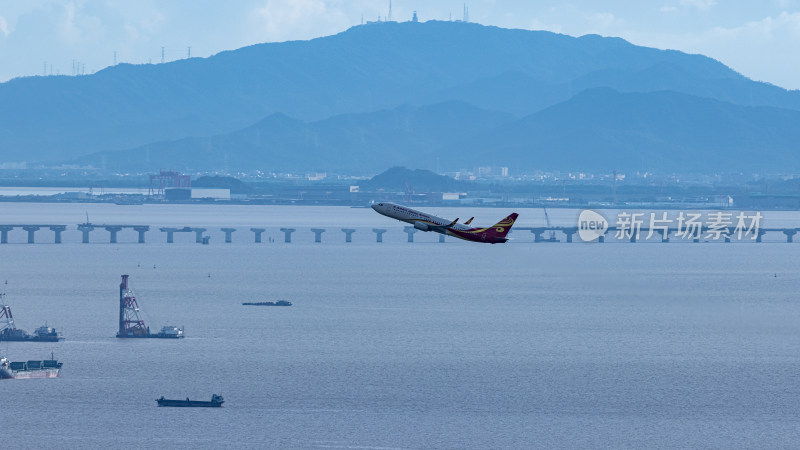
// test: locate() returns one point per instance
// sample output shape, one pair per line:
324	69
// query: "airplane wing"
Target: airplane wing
442	228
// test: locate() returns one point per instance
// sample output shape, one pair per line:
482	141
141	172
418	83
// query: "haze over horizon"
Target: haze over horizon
47	37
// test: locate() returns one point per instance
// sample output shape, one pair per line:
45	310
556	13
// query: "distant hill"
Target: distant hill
602	129
360	144
597	130
400	179
362	70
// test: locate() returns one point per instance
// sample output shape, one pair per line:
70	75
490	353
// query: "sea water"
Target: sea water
397	344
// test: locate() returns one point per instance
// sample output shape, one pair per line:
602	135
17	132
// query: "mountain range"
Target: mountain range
436	95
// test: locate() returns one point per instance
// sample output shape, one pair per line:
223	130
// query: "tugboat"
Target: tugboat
216	402
131	325
48	368
9	332
278	303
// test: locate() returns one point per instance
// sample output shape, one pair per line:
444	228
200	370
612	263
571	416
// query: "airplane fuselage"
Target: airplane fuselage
427	222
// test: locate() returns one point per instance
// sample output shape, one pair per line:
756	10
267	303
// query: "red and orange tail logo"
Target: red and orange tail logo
501	229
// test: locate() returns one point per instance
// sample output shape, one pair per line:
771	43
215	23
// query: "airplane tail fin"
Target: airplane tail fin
501	229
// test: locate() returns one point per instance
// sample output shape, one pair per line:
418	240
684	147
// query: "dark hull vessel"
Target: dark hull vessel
278	303
42	334
216	402
167	332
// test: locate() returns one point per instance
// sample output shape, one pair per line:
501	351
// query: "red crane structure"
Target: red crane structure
167	179
130	324
5	313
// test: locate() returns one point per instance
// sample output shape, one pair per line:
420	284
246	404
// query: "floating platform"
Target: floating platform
131	325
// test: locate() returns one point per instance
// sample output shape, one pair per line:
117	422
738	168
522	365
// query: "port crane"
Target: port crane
552	237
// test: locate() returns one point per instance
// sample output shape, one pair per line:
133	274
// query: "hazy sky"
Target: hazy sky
759	38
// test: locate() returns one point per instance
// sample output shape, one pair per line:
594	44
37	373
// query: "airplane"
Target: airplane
496	234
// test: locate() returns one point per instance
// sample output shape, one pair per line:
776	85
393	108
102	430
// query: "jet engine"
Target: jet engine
422	226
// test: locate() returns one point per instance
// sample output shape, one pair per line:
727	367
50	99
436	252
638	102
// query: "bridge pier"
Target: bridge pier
141	230
4	234
789	234
170	234
113	231
664	235
287	234
318	234
441	238
57	229
85	229
348	234
410	231
378	234
569	233
228	232
31	230
760	233
257	232
601	239
537	235
198	234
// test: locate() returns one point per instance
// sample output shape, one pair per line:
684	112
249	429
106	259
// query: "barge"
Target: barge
216	402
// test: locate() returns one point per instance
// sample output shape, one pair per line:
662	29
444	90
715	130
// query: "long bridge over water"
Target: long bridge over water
540	234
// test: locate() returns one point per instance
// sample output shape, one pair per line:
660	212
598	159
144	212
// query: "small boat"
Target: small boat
278	303
216	402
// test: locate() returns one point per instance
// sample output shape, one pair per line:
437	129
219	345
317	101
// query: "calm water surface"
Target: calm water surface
399	345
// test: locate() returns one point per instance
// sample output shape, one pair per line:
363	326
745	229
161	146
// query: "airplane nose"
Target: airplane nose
375	206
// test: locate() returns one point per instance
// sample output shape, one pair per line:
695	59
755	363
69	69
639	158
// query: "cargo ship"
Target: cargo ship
278	303
131	324
48	368
216	402
9	332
